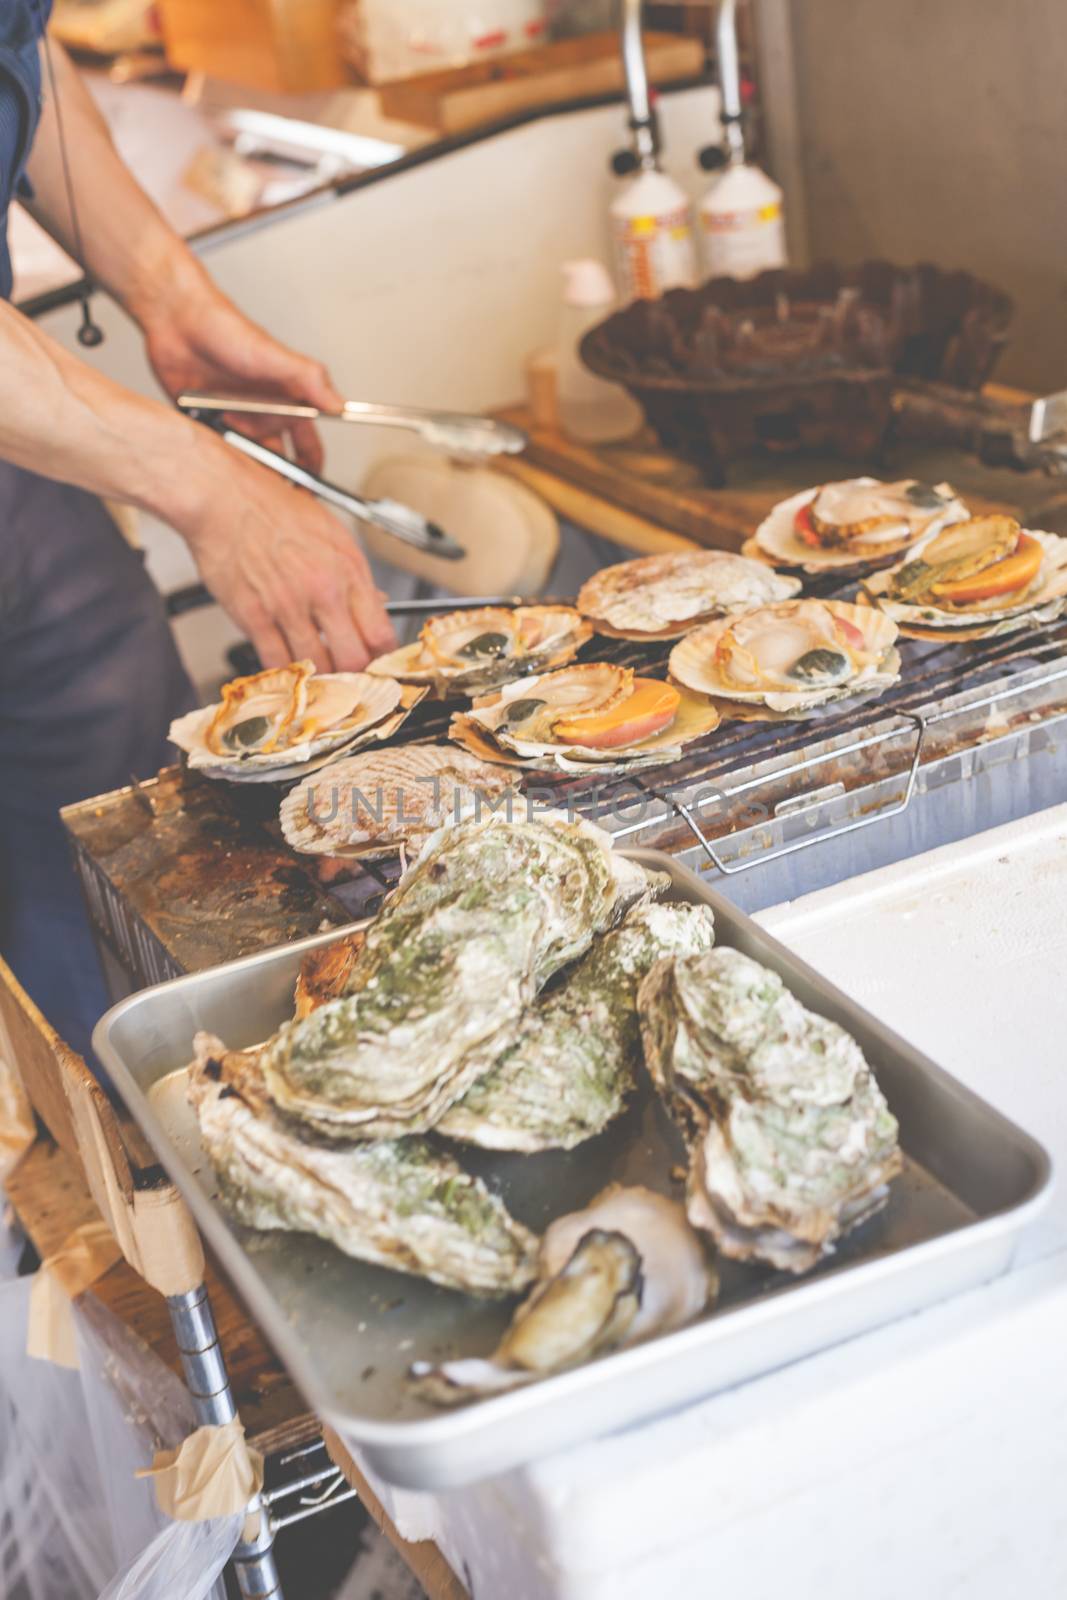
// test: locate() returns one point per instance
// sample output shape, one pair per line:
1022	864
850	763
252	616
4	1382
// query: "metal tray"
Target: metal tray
347	1332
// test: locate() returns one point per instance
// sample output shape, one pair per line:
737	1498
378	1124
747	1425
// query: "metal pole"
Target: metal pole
205	1373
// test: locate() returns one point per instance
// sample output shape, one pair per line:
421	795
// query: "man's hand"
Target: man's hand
284	568
201	342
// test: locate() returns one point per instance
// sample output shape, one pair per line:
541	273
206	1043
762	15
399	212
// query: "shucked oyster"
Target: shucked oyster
403	1205
626	1267
571	1069
791	1142
491	910
466	652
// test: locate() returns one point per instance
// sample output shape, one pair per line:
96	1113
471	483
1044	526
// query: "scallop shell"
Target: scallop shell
693	663
1044	600
516	641
484	731
365	703
776	539
664	596
371	804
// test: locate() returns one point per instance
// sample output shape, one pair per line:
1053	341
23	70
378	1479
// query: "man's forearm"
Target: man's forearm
128	246
62	418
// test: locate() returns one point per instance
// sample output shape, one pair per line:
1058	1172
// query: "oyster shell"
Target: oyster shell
571	1069
854	523
903	592
403	1205
275	721
791	657
378	802
662	597
626	1267
790	1139
539	722
466	652
491	910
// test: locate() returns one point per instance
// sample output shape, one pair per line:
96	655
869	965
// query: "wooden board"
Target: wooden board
424	1558
49	1195
662	497
489	91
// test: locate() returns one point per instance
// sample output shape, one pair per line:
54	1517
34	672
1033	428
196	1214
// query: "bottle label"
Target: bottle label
739	244
654	253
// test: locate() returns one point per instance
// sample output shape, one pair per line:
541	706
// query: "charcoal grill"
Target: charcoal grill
181	873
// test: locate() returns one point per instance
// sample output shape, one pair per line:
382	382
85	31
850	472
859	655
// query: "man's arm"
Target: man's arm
284	568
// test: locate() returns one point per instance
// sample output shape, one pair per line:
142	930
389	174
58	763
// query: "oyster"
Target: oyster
325	971
571	1069
976	579
791	1142
661	597
379	802
274	721
466	652
854	523
790	658
584	718
403	1205
491	910
626	1267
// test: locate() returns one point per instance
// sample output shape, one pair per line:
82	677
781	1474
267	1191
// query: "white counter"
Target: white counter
928	1459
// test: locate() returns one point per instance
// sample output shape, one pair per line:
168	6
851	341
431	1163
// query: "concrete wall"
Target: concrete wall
937	129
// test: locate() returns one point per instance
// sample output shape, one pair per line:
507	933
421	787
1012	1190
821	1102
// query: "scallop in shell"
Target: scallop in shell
275	721
789	657
375	803
853	524
664	596
467	652
627	1267
582	717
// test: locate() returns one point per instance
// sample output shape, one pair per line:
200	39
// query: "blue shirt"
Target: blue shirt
22	24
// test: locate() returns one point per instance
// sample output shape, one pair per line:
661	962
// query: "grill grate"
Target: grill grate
931	673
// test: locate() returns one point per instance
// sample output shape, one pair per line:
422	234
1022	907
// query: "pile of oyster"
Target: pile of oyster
285	721
501	999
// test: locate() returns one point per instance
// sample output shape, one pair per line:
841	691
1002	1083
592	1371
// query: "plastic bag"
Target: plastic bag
74	1523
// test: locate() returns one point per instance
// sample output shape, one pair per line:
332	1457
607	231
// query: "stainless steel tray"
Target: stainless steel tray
347	1332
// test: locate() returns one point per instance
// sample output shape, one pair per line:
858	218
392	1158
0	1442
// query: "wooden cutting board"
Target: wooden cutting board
648	500
468	97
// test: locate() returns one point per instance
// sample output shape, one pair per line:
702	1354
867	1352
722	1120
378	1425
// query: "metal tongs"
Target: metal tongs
454	432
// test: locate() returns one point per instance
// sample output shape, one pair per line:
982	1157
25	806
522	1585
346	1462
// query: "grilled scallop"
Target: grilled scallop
467	652
283	718
662	597
790	657
854	524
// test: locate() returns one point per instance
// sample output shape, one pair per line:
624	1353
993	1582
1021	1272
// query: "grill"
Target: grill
751	795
